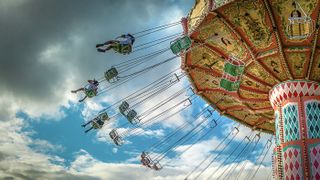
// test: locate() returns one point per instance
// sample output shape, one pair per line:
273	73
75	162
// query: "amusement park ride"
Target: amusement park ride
254	61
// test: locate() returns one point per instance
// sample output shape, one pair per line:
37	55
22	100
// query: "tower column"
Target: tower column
297	119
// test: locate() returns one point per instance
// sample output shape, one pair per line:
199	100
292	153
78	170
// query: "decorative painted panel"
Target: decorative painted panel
222	38
312	111
258	105
205	57
292	163
205	80
252	95
250	83
250	16
290	117
273	63
314	159
259	72
198	10
296	62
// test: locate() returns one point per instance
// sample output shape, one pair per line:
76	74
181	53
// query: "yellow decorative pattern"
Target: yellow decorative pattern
253	95
205	80
195	16
267	126
296	62
213	96
228	101
247	82
204	56
259	105
245	115
268	115
258	71
250	16
221	38
315	71
273	63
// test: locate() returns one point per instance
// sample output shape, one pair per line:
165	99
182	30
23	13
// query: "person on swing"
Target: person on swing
91	87
125	40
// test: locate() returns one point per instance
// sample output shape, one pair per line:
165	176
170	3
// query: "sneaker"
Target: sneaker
101	50
99	45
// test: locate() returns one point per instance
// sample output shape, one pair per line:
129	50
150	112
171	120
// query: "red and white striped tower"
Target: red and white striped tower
297	119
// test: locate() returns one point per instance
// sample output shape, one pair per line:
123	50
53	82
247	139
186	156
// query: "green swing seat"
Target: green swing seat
111	74
122	48
234	70
90	93
180	45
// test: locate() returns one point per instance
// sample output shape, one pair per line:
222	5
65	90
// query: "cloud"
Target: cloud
50	49
19	161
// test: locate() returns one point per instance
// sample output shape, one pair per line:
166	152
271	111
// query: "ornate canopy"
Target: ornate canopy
259	34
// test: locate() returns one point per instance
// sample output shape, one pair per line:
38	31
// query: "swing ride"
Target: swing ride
256	62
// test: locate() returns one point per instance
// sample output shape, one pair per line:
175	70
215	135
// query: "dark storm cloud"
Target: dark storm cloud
28	28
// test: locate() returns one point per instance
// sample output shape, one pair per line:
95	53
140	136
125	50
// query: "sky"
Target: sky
48	49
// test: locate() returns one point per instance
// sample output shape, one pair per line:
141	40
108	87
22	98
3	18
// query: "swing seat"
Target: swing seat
97	124
103	116
131	117
157	166
180	45
118	141
229	85
123	107
122	48
111	74
146	160
115	137
113	133
91	93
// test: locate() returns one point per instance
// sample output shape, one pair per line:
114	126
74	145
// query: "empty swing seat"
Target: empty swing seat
111	74
123	107
131	117
180	45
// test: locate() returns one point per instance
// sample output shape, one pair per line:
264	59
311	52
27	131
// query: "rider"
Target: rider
123	40
92	87
96	123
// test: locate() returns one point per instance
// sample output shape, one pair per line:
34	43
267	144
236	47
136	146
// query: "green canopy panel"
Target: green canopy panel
231	78
229	85
234	70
